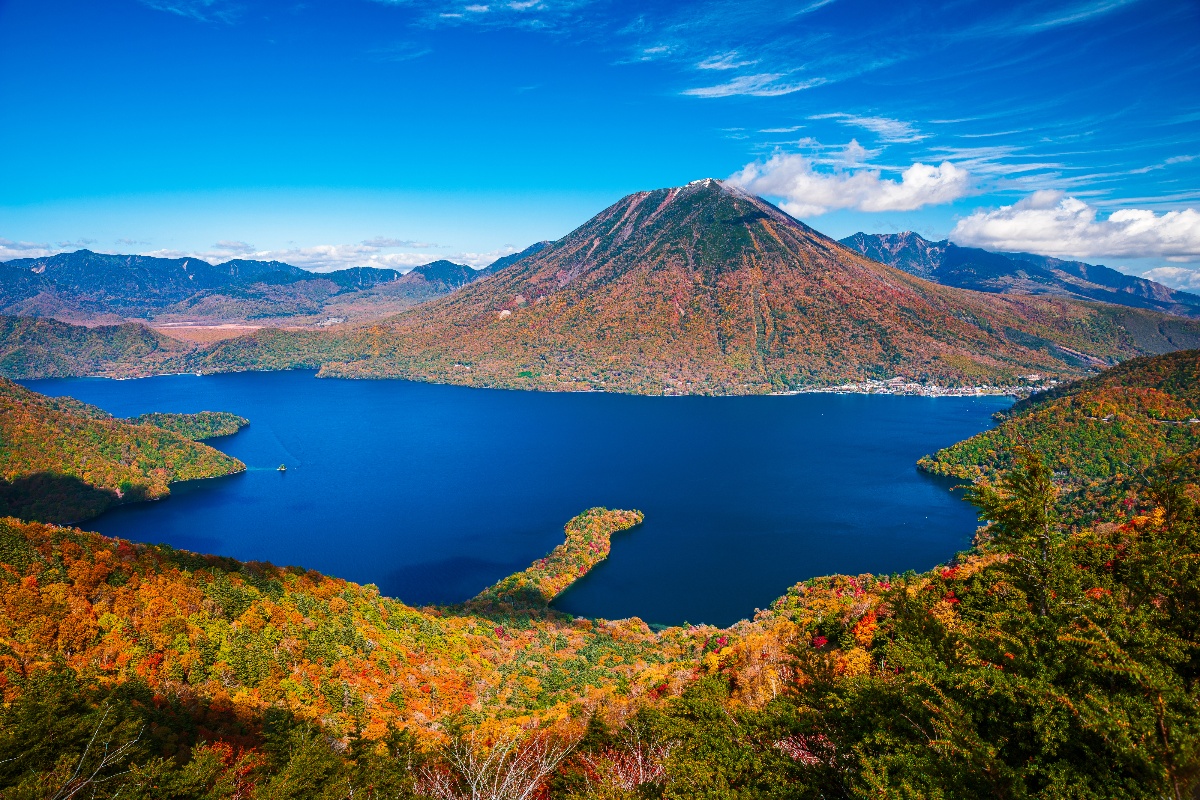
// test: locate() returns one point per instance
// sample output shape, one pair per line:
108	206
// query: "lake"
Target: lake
434	492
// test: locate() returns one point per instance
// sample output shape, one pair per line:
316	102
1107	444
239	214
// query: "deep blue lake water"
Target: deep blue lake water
434	492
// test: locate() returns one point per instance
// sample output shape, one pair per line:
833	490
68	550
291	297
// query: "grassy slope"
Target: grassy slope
62	460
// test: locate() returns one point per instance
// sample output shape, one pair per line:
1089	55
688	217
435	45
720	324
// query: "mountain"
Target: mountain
1019	273
704	288
90	288
63	461
504	261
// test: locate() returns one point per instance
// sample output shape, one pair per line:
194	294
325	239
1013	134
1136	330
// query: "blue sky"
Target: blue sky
338	132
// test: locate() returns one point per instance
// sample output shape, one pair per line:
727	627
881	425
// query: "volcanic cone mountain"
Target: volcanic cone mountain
705	288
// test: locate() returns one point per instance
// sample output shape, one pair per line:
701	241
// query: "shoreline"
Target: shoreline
893	386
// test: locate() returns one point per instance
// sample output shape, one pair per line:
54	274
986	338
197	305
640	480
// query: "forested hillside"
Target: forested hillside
1117	425
64	461
1056	659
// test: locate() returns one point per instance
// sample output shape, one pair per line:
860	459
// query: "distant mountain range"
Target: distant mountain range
700	288
94	287
1018	273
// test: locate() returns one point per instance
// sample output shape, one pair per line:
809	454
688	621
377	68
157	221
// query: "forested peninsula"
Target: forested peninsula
1057	658
65	461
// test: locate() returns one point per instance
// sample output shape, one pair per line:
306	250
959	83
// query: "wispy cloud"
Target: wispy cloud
330	257
766	84
1050	223
385	242
200	10
233	246
400	51
729	60
887	129
807	191
1072	15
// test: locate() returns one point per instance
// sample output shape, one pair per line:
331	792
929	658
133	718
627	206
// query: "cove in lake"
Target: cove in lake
435	492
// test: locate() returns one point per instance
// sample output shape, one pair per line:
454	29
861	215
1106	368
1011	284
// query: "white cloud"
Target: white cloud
766	84
889	130
1187	278
807	192
1049	223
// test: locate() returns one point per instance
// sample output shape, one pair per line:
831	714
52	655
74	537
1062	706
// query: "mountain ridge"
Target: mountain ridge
91	288
1019	273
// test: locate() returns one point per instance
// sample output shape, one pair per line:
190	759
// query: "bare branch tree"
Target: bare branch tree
637	760
109	758
509	767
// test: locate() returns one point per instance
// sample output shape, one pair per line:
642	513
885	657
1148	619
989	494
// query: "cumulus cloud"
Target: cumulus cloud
806	191
765	84
1050	223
